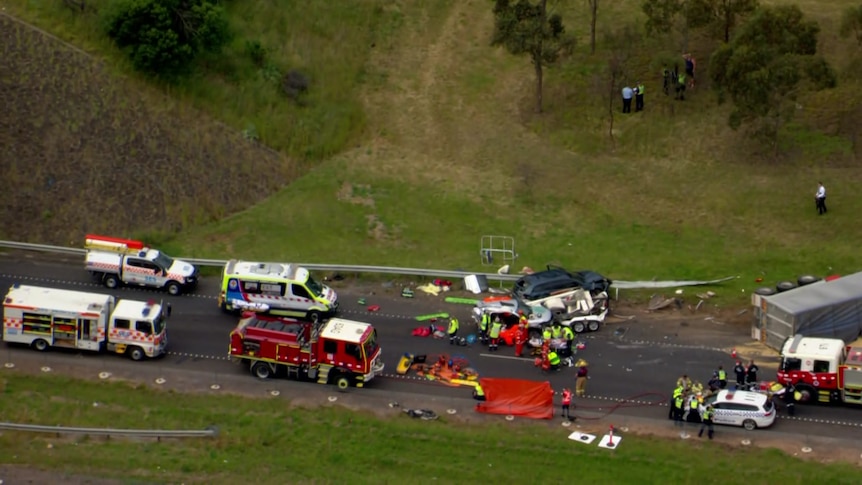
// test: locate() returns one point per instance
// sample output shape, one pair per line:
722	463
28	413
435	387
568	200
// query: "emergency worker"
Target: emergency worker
557	330
722	377
751	374
478	393
706	418
546	334
484	323
739	370
677	392
521	339
684	382
522	319
496	328
690	414
678	403
791	395
567	402
554	360
453	330
570	339
581	382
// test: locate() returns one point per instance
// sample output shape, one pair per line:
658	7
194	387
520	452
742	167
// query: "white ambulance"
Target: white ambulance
48	317
276	288
113	261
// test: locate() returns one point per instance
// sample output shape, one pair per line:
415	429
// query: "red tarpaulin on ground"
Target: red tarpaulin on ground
517	397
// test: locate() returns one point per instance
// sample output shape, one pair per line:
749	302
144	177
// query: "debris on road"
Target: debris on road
659	302
466	301
432	317
423	414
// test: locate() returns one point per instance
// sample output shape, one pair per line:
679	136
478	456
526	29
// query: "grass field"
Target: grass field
446	150
266	441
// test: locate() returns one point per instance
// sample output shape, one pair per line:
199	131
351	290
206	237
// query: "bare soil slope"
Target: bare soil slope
86	151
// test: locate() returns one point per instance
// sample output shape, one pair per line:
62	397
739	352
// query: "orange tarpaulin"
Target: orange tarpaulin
517	397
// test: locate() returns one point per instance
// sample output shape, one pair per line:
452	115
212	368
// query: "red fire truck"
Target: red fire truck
822	369
338	351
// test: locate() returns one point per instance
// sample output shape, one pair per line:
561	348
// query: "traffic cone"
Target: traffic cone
611	436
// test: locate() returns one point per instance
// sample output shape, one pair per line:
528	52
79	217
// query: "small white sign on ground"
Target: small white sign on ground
582	437
610	441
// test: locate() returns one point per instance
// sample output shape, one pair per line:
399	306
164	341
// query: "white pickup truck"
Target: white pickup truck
114	261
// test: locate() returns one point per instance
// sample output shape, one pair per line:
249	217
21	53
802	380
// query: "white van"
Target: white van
279	288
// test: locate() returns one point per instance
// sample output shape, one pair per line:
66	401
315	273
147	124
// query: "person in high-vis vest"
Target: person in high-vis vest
453	330
706	420
639	96
722	377
478	393
677	392
484	323
690	411
680	87
554	360
570	340
496	328
567	402
546	334
678	403
557	330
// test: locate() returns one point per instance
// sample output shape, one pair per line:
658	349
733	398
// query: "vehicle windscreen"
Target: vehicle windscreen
790	364
314	287
164	260
370	345
768	405
158	325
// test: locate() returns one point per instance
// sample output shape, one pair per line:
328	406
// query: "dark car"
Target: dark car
544	283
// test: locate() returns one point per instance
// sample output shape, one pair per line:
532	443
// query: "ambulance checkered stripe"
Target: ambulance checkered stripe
278	298
105	266
13	322
131	337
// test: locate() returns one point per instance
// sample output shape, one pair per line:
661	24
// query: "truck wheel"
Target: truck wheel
593	326
578	327
173	288
749	424
807	280
40	345
785	286
136	353
314	316
807	393
342	382
261	370
111	281
765	291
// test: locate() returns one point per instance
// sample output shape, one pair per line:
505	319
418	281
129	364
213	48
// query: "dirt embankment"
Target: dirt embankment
87	151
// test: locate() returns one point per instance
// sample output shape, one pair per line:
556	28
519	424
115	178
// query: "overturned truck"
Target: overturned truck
826	309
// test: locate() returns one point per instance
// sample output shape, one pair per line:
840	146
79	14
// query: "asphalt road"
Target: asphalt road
632	360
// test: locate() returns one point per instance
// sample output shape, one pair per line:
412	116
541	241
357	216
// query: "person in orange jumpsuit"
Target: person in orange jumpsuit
520	340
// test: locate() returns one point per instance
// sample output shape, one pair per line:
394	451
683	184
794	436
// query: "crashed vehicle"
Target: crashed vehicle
579	309
506	309
543	284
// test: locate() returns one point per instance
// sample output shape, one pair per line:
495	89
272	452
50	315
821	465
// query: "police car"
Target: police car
751	410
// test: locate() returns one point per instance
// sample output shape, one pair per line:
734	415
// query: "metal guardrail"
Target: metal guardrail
210	432
340	268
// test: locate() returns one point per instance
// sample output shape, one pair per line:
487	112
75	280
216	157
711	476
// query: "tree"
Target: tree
663	15
621	44
851	23
525	28
163	37
594	11
771	61
724	14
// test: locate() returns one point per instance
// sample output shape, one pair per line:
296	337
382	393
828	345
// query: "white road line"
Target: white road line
510	357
